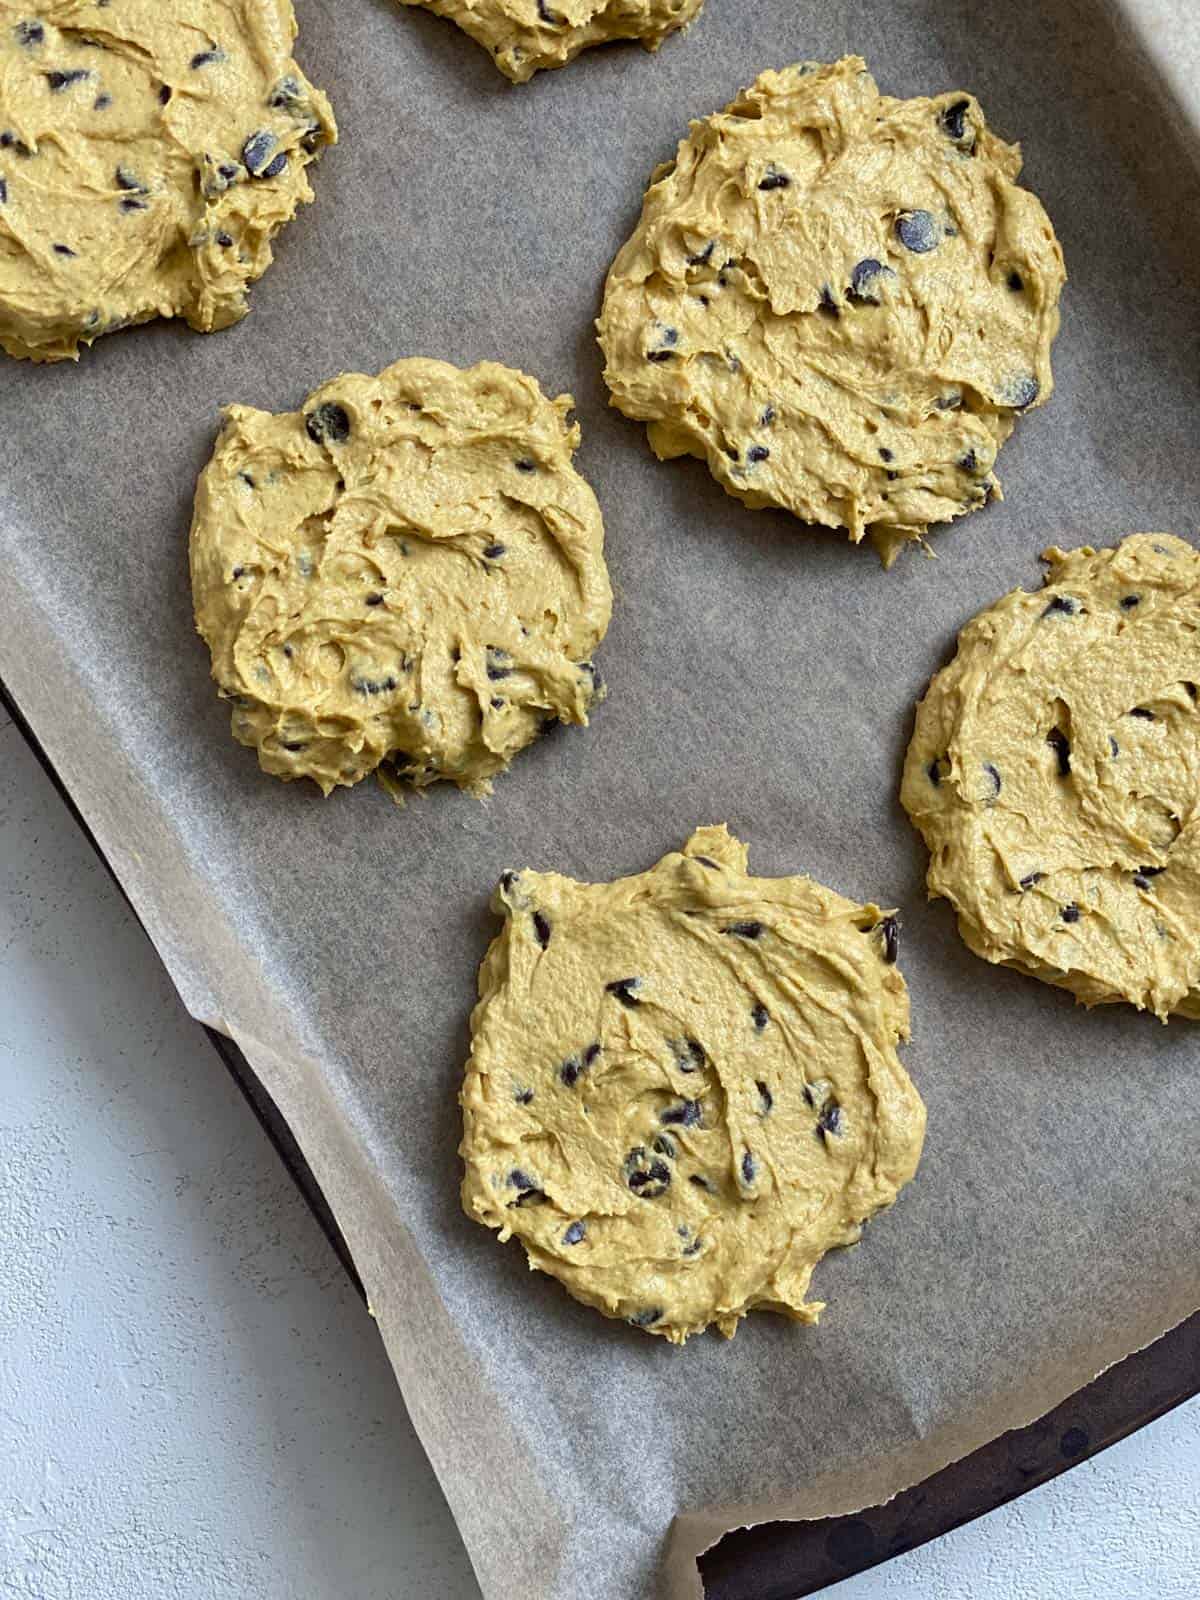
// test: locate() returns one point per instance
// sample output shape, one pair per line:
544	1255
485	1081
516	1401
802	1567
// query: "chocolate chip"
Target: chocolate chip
659	355
530	1194
765	1097
829	1120
129	203
885	454
508	881
237	572
757	453
865	281
648	1178
775	179
1015	282
687	1114
1114	747
1070	913
1061	746
258	151
276	166
373	600
493	552
1064	604
523	1096
994	778
647	1318
525	465
63	250
968	462
328	423
1143	875
744	930
1128	601
700	1182
59	80
102	102
3	191
918	231
749	1168
1141	711
1030	878
1020	392
570	1070
205	58
541	927
624	989
575	1234
665	1146
689	1054
497	663
497	703
164	94
953	119
828	304
703	257
225	240
30	34
759	1015
767	417
890	929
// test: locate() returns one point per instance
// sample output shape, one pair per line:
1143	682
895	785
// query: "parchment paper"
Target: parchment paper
760	674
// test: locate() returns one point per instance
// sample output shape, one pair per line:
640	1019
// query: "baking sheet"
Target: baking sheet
759	675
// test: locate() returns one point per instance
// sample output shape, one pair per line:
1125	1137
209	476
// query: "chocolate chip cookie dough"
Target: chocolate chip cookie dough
148	155
407	571
1055	776
839	301
683	1086
524	36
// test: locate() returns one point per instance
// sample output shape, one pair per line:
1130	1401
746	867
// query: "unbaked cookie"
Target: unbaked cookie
840	301
683	1086
524	36
407	570
1055	776
148	155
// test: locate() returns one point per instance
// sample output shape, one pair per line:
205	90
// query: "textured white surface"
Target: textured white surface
194	1404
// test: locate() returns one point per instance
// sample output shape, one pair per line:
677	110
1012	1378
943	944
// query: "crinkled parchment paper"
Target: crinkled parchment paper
760	674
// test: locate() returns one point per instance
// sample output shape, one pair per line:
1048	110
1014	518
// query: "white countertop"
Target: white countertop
194	1403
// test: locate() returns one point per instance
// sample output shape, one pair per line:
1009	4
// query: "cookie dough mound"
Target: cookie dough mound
1055	776
840	301
148	155
524	36
683	1086
408	570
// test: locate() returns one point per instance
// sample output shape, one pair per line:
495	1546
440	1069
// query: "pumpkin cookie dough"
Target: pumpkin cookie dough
524	36
683	1086
148	155
840	301
1055	776
408	570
